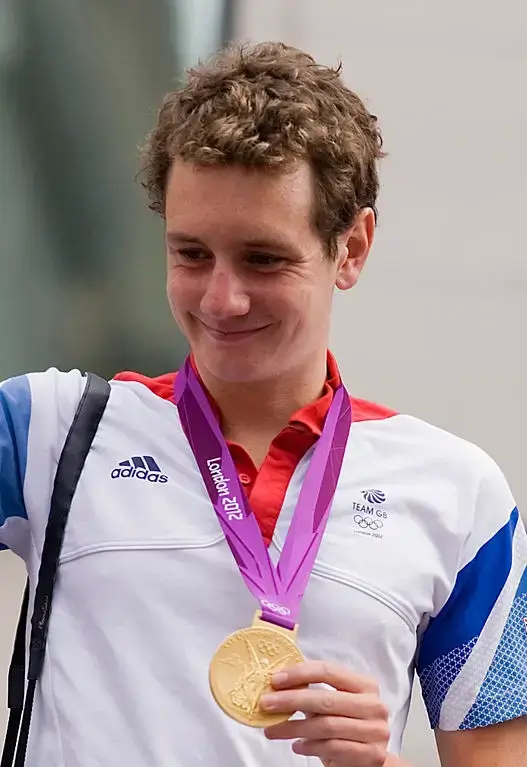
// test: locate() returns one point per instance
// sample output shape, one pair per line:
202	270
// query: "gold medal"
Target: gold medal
241	670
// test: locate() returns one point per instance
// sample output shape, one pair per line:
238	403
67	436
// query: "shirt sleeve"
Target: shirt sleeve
472	656
15	414
36	411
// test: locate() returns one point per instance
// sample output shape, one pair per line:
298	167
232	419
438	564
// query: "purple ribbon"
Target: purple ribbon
280	589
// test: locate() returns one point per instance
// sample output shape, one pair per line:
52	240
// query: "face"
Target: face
248	280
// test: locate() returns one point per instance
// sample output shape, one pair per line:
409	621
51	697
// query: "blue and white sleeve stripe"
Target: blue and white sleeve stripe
472	659
15	414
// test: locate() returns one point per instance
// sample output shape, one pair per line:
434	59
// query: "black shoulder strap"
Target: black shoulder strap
76	447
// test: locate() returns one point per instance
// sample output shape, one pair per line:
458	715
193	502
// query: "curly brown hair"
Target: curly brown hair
269	105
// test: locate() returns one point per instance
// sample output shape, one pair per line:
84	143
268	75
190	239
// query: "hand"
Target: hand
346	726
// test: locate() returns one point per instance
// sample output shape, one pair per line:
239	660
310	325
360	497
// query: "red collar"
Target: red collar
310	417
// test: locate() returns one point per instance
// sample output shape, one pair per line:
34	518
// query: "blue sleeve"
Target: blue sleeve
472	659
15	413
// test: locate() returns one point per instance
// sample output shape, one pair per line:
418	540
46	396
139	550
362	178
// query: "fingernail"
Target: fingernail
267	702
279	678
298	747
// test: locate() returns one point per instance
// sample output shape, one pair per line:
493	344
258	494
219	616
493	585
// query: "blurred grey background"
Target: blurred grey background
437	325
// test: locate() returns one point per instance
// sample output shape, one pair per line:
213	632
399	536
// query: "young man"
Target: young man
263	167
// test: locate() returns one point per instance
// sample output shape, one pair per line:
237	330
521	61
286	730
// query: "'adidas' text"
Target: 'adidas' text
140	467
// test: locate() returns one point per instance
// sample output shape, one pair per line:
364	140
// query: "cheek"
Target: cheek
307	299
171	290
178	298
312	305
179	290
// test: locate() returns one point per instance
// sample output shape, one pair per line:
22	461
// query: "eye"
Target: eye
265	259
191	255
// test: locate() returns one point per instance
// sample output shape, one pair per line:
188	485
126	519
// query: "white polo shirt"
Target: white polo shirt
423	567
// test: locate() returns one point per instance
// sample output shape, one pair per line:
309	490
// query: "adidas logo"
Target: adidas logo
139	467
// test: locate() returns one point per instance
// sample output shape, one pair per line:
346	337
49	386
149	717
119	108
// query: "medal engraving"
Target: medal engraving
241	671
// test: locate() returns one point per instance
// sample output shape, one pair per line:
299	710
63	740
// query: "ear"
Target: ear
354	246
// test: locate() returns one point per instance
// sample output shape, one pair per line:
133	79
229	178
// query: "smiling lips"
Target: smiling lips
231	335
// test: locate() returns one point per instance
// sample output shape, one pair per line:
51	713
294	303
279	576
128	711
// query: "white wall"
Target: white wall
437	325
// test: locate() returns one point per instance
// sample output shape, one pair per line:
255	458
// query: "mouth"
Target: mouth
231	336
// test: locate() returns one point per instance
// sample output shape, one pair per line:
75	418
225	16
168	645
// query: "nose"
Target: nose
225	294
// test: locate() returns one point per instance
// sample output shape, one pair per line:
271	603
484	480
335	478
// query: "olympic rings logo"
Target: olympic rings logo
276	608
364	522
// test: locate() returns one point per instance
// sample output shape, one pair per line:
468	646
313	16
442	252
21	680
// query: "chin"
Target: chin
241	373
233	368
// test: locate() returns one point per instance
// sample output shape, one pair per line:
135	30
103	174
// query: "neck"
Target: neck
261	409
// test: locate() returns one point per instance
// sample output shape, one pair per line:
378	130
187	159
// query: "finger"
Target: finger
319	672
329	727
325	701
358	754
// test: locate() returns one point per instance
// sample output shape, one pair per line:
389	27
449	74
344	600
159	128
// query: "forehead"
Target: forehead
236	194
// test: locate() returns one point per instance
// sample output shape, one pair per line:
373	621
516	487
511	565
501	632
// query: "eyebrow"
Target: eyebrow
183	237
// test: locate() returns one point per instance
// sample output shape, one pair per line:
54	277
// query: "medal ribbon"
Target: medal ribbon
279	589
